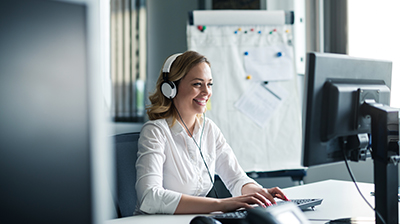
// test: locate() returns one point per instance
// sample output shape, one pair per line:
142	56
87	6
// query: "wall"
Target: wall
166	33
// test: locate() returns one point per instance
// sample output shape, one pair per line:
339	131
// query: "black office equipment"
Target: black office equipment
351	220
204	220
54	141
276	214
241	215
346	114
236	217
280	214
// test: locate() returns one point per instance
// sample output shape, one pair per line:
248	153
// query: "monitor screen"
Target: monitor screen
331	115
50	128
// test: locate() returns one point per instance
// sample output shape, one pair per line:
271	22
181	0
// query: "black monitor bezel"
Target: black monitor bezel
322	67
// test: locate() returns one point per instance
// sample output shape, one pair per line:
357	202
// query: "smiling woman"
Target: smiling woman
180	150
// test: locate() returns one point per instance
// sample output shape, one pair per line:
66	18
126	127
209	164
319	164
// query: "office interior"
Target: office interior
326	27
164	38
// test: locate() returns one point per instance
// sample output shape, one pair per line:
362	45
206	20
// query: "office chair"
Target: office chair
126	147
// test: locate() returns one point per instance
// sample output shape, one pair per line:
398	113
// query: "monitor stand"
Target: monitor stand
385	153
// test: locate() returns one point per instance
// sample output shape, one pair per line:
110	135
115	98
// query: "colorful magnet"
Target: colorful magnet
246	53
279	54
201	28
248	77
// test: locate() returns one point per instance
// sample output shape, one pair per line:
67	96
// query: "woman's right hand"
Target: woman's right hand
243	201
203	205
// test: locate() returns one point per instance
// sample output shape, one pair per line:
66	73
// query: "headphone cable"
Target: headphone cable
199	147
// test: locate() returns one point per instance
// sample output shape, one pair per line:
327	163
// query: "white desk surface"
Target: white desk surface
341	200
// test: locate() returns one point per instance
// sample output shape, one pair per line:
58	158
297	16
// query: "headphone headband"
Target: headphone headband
168	63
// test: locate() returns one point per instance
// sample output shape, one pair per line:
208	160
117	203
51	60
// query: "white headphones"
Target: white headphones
168	88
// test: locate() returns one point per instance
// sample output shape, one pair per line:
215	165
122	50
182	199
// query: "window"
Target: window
128	59
373	33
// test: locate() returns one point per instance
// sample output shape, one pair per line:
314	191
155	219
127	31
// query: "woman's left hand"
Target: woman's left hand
269	193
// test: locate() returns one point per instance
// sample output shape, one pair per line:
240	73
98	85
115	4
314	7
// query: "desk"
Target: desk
341	199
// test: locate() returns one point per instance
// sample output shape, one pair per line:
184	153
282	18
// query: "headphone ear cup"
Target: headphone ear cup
168	89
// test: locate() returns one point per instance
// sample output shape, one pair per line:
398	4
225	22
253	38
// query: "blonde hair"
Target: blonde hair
161	107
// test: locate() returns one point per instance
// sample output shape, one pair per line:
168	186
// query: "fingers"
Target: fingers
272	193
269	196
276	192
263	200
245	201
254	198
257	198
263	197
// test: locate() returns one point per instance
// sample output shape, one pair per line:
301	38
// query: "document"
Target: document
261	101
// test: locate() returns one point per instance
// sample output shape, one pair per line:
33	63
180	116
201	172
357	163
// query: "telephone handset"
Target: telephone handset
277	214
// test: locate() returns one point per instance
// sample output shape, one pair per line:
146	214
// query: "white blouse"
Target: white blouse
169	164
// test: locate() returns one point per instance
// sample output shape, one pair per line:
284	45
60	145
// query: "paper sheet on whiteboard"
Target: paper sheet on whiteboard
271	63
261	101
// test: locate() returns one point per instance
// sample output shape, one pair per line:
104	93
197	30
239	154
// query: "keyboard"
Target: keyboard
238	217
304	204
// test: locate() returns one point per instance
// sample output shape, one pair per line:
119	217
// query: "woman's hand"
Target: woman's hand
202	205
252	195
243	201
269	193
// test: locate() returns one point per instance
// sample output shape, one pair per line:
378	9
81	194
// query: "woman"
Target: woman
180	149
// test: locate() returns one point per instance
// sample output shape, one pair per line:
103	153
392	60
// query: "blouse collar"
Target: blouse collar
178	127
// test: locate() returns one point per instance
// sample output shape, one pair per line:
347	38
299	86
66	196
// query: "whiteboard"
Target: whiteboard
274	144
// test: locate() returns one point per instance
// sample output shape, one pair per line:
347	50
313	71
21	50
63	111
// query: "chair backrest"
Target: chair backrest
126	147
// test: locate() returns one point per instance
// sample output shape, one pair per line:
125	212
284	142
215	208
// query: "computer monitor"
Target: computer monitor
346	112
55	152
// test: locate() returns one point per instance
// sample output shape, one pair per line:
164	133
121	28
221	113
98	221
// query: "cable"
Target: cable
320	220
358	189
199	147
